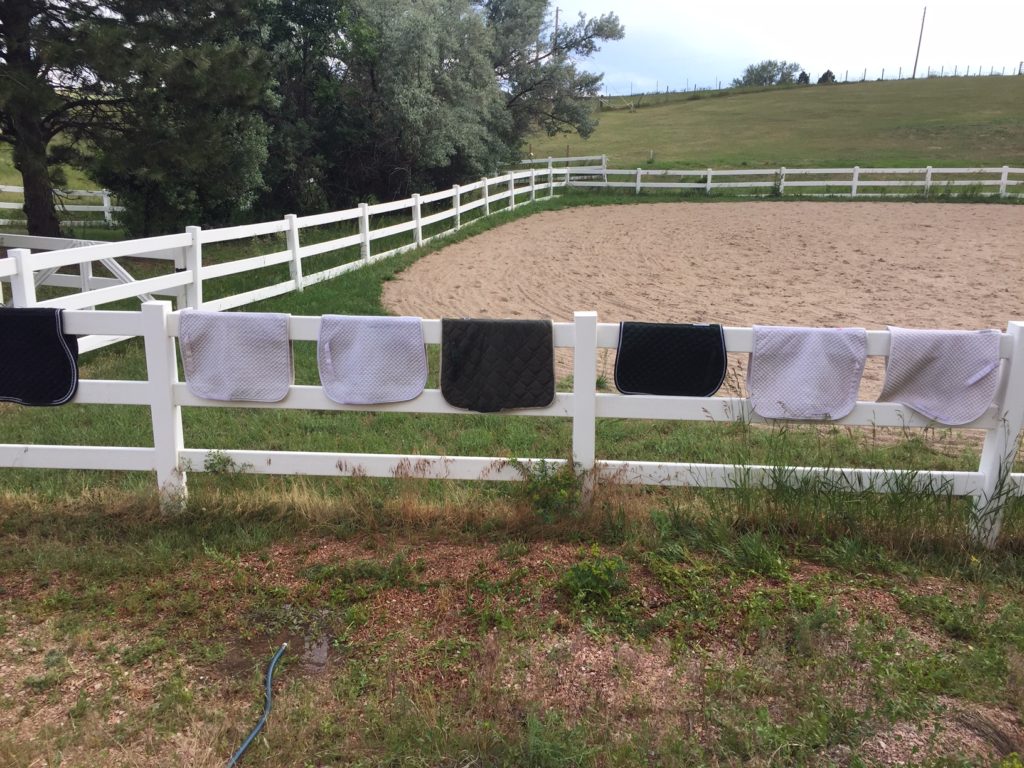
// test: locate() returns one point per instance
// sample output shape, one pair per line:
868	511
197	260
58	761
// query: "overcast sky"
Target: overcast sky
680	43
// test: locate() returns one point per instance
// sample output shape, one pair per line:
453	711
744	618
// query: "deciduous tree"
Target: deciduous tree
768	72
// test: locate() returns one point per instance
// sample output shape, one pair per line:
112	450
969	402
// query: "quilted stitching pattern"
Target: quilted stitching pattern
494	365
38	361
670	359
949	376
806	373
236	355
367	360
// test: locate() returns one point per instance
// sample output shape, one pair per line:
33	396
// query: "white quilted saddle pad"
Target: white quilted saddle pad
368	360
806	373
236	355
949	376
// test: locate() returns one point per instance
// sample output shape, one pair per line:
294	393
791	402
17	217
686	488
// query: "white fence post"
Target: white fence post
707	183
604	168
568	178
551	180
168	435
782	181
1003	179
487	195
855	181
23	282
108	213
364	231
417	218
292	235
533	185
457	204
1000	447
584	387
638	172
511	191
194	262
85	278
927	179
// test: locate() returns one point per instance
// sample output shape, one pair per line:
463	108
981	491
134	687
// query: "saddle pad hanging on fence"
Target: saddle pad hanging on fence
670	359
38	361
237	356
949	376
494	365
805	373
368	360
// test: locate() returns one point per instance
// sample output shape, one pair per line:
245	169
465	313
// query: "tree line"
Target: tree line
216	111
772	72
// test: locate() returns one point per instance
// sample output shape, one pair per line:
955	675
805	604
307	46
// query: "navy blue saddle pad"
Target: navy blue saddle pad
670	359
494	365
38	361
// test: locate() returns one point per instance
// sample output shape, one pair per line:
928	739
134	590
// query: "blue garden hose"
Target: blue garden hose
266	708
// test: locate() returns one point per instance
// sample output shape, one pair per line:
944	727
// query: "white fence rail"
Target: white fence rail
105	206
26	270
1004	181
991	485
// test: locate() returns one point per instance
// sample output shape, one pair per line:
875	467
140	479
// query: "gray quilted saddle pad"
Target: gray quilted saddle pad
495	365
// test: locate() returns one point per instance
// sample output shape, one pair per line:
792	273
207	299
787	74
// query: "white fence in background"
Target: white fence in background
1004	181
105	206
26	270
990	485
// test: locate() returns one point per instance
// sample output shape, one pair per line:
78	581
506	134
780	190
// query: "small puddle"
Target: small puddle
312	654
315	653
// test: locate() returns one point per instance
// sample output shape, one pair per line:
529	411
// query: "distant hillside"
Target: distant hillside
948	121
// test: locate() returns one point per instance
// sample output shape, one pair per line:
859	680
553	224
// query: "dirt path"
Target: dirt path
787	263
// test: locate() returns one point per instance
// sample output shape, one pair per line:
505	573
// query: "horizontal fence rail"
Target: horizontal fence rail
165	395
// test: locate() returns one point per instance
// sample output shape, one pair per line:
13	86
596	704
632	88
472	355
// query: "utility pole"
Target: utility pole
919	38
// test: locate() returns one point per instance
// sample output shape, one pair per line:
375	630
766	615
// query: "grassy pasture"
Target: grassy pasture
956	122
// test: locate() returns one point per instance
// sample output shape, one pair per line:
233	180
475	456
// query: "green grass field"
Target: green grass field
472	624
954	122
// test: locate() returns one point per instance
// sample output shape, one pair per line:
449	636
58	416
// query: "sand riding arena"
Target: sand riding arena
868	264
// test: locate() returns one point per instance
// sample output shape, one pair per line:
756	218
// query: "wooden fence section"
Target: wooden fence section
1004	181
991	485
105	206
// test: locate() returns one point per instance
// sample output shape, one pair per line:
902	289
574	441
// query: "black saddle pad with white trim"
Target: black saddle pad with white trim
38	361
495	365
670	359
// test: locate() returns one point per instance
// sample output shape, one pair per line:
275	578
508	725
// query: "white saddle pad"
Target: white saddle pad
805	373
949	376
368	360
236	355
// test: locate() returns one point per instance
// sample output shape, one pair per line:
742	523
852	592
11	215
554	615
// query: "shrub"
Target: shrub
552	491
595	579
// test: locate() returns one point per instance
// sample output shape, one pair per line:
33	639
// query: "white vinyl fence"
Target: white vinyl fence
991	485
26	270
1004	181
103	196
